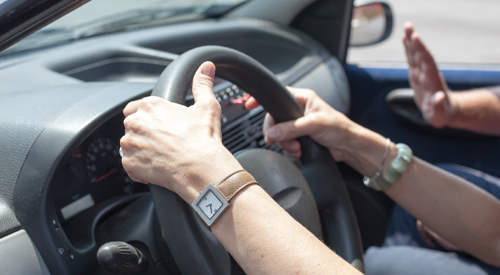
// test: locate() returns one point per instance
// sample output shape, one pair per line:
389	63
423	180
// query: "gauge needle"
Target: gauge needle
105	176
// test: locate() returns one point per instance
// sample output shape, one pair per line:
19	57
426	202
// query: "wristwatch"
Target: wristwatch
214	200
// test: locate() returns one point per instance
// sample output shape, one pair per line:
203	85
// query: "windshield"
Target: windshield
107	16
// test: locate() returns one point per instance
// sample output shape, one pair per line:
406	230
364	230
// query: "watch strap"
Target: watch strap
214	199
235	182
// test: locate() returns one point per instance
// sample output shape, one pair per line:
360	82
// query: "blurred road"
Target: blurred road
455	31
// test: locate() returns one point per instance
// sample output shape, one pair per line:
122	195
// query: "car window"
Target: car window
455	31
98	9
99	17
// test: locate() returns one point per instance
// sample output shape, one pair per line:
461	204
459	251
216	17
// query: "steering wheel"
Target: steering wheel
194	248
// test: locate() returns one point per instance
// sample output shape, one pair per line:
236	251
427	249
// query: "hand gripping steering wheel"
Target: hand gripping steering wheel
194	248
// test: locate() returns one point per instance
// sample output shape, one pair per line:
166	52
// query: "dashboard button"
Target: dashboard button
63	240
245	97
238	101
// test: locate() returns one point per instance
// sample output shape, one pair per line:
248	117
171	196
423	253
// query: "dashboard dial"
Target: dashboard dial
93	173
103	160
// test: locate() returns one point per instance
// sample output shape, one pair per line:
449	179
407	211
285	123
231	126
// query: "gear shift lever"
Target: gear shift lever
121	258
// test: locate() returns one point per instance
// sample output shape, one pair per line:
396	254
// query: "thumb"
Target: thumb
203	83
438	98
437	110
290	129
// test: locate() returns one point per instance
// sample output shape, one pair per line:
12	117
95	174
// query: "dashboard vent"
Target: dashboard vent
246	132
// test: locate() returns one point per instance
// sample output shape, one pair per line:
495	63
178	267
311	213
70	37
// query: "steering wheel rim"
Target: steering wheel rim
184	234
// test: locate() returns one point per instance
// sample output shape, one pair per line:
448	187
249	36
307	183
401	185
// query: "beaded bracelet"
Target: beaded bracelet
398	166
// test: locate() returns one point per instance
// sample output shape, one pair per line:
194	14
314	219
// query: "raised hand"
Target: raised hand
432	95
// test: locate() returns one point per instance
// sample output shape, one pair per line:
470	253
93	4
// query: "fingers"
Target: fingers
414	47
301	95
251	104
131	146
284	134
268	122
406	42
292	148
131	108
147	104
290	130
424	234
203	84
409	57
408	29
421	56
416	44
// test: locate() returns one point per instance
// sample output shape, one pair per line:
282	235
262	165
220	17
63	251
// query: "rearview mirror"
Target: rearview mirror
371	23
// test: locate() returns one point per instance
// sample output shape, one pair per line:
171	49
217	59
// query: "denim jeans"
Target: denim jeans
405	252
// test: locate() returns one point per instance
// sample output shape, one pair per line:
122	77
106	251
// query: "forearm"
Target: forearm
476	110
264	239
460	212
455	209
261	236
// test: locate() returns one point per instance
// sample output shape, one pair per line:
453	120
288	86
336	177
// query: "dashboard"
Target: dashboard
65	183
93	173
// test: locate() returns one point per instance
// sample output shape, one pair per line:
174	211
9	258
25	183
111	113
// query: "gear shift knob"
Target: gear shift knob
121	258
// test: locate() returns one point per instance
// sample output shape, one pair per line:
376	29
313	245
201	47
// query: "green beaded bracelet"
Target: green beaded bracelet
398	166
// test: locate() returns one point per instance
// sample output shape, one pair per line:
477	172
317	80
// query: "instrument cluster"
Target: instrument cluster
94	172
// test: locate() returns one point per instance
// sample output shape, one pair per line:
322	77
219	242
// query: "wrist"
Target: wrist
454	110
365	151
240	204
212	168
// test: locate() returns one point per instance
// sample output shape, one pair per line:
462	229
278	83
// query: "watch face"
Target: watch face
209	204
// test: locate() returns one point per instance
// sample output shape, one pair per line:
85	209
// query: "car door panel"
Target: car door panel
369	88
20	256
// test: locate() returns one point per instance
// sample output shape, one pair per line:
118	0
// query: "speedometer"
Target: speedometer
93	173
103	160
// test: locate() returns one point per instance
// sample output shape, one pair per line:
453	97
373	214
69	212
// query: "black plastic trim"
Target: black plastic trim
33	202
328	21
